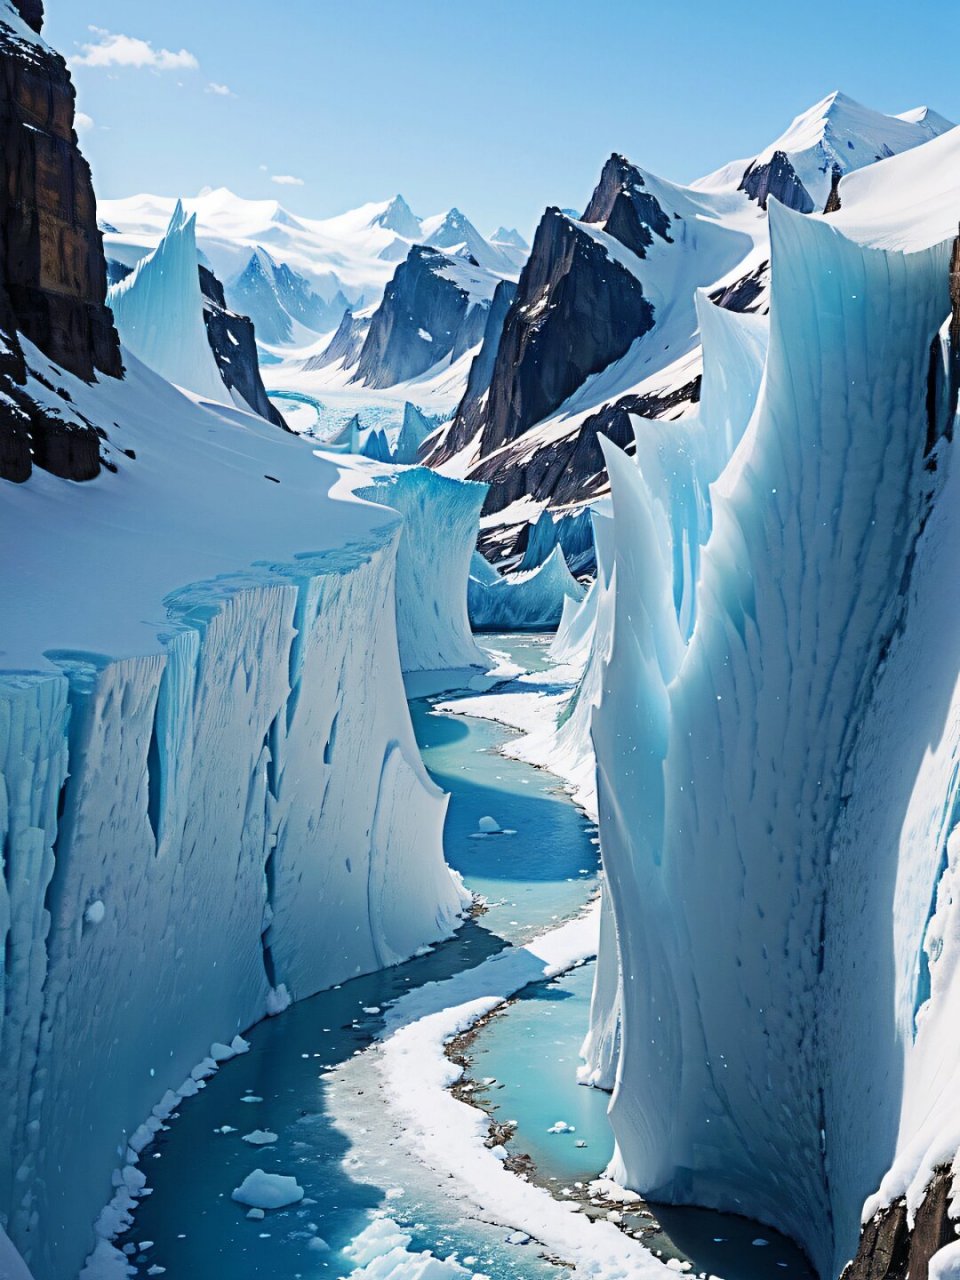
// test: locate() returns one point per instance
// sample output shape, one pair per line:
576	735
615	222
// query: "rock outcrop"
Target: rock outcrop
625	209
52	272
277	299
777	178
234	345
570	284
891	1249
345	345
435	306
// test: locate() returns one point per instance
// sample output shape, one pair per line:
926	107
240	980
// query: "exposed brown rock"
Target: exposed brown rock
833	199
52	271
777	178
889	1250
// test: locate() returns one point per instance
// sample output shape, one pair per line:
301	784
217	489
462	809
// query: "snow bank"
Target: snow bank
440	521
745	758
228	768
531	601
448	1135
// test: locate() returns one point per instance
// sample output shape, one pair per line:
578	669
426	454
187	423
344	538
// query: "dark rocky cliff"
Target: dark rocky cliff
234	345
346	344
52	271
424	317
777	178
625	209
891	1250
469	415
569	286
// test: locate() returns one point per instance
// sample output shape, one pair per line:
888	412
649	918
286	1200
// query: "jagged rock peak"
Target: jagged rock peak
776	178
399	217
31	11
625	208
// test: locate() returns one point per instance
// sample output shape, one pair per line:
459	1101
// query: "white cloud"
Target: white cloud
82	122
286	180
221	90
263	168
111	50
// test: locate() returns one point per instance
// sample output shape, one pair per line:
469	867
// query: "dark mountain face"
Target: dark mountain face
346	344
52	272
424	317
274	296
569	286
776	178
470	413
625	209
234	345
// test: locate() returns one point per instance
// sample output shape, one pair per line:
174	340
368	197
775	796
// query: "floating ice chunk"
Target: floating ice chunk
278	999
562	1127
251	1097
262	1190
318	1245
95	912
518	1237
259	1137
257	1215
489	825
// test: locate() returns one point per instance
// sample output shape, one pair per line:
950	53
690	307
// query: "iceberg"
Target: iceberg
158	310
767	791
531	601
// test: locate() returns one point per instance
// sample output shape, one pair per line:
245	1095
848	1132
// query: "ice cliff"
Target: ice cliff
776	730
529	601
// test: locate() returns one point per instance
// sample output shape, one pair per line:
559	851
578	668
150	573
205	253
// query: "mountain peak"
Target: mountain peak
398	217
510	236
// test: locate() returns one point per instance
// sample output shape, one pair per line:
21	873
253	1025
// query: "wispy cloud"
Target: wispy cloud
111	50
286	180
221	90
82	122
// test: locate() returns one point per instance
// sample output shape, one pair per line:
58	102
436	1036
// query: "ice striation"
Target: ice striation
529	601
440	516
211	799
159	312
759	813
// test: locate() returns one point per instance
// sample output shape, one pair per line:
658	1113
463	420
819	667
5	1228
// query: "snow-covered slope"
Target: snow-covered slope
837	133
777	743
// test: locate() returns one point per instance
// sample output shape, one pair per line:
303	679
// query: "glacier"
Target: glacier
158	310
211	799
758	802
440	520
529	601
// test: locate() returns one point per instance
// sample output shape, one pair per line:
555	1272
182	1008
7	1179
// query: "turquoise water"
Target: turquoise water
314	1085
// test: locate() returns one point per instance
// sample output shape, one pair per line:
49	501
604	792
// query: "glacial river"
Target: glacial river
309	1080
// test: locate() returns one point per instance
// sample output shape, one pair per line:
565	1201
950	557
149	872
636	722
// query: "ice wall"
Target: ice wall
725	738
158	310
441	516
531	601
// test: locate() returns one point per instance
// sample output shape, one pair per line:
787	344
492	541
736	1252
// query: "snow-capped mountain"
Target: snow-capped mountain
296	275
509	236
433	312
530	424
281	303
455	233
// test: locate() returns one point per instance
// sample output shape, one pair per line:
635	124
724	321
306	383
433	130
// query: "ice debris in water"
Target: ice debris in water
263	1190
488	825
95	912
259	1137
562	1127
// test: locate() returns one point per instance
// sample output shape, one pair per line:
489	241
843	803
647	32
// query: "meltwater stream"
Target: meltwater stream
307	1080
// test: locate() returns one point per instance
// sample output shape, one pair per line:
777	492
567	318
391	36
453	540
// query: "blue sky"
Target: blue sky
500	108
